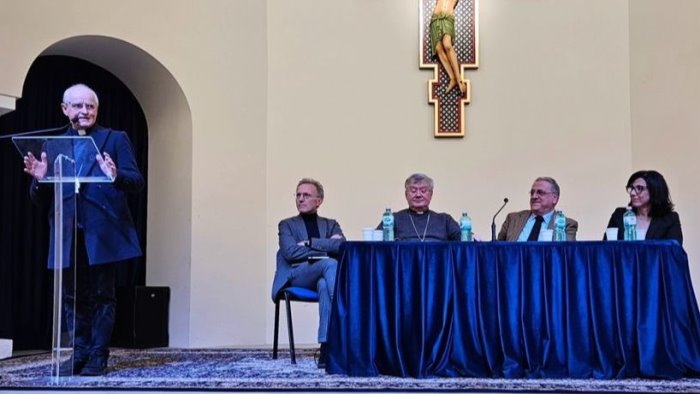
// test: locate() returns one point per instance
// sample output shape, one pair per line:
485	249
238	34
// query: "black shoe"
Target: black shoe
96	366
72	366
322	357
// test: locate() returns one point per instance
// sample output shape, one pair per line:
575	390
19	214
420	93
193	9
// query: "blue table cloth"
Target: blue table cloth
535	309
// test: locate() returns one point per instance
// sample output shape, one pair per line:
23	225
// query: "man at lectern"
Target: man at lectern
105	233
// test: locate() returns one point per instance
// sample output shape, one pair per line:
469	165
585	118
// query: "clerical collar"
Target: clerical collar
78	132
418	213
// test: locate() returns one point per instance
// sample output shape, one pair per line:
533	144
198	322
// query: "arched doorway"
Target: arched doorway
30	286
169	202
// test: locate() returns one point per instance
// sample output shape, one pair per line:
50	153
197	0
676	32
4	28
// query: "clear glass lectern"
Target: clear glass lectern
71	160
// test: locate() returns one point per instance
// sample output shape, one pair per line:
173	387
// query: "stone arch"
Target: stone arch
169	121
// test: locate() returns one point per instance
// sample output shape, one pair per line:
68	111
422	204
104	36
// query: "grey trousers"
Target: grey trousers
319	276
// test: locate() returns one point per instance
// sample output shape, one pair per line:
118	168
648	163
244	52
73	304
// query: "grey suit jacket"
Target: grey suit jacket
515	222
291	232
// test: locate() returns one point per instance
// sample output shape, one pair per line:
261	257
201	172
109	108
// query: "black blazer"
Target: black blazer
110	235
665	227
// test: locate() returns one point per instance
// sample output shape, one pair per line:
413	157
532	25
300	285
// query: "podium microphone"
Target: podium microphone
493	222
50	131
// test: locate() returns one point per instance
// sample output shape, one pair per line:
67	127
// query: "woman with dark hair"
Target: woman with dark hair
651	202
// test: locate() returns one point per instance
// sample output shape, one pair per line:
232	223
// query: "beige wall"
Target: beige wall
665	103
282	89
551	97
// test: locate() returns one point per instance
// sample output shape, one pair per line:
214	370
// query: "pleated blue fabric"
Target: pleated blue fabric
604	310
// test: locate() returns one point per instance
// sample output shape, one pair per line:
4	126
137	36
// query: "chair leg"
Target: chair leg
292	352
277	329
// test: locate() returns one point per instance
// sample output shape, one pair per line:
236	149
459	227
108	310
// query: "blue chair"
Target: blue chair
290	294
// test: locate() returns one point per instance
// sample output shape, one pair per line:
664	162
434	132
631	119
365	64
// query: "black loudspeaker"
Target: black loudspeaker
141	319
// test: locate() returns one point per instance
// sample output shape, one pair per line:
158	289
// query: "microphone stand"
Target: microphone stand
493	222
47	131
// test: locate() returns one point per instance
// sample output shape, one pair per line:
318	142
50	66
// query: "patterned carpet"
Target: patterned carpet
254	369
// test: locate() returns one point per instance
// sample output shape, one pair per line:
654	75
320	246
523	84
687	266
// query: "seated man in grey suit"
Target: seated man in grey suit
307	242
526	225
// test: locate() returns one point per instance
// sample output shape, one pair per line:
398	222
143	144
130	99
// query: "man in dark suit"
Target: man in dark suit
418	222
105	233
524	226
307	245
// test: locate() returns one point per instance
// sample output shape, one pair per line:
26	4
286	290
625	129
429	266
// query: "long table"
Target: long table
536	309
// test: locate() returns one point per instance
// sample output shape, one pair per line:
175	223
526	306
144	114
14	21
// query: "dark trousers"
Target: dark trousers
91	290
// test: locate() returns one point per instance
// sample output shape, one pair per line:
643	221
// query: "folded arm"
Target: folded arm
290	247
332	243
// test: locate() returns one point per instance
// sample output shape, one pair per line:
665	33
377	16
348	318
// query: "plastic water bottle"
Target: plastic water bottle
388	225
465	226
559	226
630	221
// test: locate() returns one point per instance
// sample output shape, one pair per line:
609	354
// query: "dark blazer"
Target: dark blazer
291	232
515	222
665	227
107	224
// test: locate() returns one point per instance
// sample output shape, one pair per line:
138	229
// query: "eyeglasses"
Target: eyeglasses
305	196
637	189
540	193
77	106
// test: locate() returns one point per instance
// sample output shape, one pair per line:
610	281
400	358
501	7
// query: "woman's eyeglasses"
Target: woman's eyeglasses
637	189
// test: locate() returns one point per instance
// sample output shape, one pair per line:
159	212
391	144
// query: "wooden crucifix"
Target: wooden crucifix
449	45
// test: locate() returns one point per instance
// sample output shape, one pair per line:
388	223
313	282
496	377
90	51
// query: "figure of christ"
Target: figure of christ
442	31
